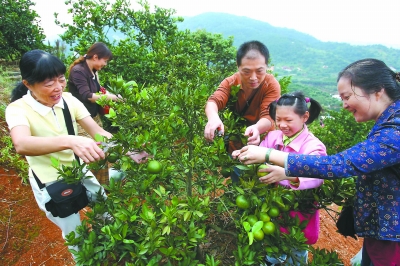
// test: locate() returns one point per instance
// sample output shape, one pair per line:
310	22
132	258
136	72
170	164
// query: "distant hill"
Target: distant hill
313	64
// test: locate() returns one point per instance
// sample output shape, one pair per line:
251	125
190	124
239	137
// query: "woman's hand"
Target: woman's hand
116	98
273	174
235	154
86	149
250	154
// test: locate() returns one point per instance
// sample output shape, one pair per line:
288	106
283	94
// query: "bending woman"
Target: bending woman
370	90
83	80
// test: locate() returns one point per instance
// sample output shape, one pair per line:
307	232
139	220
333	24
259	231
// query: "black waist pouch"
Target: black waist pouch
66	199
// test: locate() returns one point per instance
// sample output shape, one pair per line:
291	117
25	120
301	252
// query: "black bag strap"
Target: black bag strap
68	123
248	102
71	131
40	184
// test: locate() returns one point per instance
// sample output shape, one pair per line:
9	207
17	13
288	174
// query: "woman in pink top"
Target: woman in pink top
291	115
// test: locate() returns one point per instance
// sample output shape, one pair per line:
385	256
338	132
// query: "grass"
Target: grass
8	157
18	228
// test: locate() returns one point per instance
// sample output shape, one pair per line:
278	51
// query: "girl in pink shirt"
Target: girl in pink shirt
291	115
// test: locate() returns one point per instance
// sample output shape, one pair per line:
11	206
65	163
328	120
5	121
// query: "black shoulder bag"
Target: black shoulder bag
345	222
66	199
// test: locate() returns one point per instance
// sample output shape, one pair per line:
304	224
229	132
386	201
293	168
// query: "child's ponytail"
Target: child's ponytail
315	109
300	103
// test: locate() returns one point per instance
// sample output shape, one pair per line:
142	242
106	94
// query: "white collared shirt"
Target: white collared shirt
42	109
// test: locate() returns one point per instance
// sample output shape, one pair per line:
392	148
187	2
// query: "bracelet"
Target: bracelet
295	183
269	150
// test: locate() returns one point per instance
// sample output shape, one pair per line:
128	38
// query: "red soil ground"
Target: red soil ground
27	237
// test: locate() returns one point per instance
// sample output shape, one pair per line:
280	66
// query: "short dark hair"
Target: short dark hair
251	45
372	75
36	66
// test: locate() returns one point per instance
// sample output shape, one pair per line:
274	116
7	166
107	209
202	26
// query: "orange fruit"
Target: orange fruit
252	219
264	217
258	235
154	167
242	202
268	228
288	198
273	212
260	174
285	208
112	157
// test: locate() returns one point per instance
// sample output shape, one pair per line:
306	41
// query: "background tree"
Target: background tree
340	131
19	29
146	44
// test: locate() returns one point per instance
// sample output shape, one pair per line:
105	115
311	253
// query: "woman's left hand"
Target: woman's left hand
116	98
273	173
250	154
86	148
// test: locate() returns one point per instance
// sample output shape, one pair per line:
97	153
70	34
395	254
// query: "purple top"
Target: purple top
376	163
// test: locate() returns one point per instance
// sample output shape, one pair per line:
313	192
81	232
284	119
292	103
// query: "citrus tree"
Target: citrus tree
146	44
164	210
19	29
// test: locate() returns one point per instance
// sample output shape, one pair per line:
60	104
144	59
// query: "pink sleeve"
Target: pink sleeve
305	183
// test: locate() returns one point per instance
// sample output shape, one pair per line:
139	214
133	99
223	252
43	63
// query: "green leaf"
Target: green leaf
247	226
187	216
166	230
251	238
98	137
257	226
243	167
55	162
111	113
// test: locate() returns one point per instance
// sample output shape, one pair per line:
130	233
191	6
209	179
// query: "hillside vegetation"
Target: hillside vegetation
313	64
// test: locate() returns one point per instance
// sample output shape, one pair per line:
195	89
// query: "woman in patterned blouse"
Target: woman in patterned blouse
371	91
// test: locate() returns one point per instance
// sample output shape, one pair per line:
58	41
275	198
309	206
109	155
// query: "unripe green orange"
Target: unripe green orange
154	167
242	202
260	174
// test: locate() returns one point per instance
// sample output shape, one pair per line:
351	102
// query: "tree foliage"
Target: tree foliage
19	29
146	45
165	218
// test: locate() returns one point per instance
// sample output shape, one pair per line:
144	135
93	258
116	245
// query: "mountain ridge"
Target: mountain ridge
312	64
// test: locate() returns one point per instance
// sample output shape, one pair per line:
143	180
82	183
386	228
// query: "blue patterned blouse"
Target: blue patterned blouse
376	163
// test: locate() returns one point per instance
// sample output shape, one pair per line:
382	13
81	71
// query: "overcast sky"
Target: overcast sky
349	21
